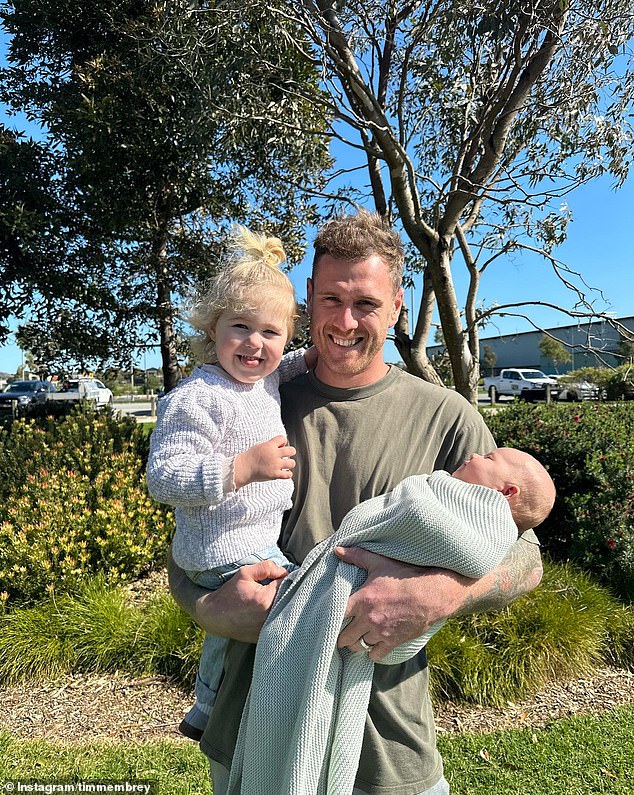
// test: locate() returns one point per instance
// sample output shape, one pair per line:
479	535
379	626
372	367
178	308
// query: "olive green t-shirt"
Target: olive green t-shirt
353	444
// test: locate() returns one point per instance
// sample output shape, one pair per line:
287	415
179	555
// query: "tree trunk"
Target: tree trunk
165	309
414	357
463	365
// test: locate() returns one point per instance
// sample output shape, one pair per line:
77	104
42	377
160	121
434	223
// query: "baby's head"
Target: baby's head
250	283
524	482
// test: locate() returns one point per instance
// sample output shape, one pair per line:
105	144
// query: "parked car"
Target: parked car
92	389
572	391
26	395
104	395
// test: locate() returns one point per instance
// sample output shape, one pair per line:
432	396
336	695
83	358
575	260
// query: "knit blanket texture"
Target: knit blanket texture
303	723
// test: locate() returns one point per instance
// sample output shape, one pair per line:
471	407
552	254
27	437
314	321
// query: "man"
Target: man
361	426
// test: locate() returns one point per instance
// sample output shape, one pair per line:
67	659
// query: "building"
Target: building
589	344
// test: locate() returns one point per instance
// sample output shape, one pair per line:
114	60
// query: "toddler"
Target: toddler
219	452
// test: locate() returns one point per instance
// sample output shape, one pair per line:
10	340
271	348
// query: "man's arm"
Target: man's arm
399	602
236	610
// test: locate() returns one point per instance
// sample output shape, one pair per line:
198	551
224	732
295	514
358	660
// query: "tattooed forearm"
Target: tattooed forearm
519	573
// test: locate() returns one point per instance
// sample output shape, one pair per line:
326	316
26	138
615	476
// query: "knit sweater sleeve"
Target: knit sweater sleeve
185	467
292	364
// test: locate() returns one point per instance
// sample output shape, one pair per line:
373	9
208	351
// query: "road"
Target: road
141	410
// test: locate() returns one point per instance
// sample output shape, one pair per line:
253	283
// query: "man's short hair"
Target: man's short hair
359	236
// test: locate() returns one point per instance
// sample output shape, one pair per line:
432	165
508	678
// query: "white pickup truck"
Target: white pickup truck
82	389
525	384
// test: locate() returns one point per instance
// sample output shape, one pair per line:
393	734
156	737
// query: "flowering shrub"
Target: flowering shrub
73	502
589	451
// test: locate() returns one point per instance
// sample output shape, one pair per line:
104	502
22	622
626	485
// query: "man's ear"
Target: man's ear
398	303
510	490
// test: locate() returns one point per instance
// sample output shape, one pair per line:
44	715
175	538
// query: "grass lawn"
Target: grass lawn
576	756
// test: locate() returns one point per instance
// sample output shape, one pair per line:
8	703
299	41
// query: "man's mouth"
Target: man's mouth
345	342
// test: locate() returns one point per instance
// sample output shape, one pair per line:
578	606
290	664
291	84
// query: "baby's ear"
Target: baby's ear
510	490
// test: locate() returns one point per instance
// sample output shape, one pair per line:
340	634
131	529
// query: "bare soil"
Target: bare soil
83	708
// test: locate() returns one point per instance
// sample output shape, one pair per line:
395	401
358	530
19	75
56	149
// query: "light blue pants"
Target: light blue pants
213	652
220	780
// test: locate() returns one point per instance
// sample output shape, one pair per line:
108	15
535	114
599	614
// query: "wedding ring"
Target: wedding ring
365	646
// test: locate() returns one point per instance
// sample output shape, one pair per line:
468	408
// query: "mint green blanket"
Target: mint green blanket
303	722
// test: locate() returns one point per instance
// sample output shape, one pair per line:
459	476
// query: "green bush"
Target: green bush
589	452
73	501
559	631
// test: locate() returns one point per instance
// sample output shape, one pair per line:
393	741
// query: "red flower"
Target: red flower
610	543
577	418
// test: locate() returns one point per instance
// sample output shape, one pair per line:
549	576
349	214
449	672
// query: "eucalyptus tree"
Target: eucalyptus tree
168	132
473	119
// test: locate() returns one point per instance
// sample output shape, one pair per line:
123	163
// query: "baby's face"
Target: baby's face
491	470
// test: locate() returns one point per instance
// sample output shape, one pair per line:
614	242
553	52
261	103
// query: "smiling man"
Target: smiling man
360	426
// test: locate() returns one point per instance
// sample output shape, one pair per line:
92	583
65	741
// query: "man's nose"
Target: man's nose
346	318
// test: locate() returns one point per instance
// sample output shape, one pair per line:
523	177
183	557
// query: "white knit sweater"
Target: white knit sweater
201	425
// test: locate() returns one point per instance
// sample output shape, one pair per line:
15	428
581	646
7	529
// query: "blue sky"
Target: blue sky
599	247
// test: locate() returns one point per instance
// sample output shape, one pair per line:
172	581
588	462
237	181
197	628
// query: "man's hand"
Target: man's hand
270	460
239	608
399	602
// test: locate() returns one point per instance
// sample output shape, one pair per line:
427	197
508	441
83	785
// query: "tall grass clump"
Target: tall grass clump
561	630
98	629
589	451
73	502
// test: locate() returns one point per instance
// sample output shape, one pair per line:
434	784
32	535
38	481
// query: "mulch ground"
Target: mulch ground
83	708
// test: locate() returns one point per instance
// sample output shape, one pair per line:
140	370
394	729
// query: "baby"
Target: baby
519	477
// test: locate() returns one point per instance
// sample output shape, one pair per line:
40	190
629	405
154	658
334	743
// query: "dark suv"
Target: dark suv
22	397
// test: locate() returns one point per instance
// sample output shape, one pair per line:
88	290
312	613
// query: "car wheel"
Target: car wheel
571	397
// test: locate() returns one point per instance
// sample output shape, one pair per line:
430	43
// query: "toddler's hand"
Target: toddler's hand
270	460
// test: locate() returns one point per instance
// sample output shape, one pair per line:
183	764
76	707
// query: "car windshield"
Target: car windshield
22	386
534	374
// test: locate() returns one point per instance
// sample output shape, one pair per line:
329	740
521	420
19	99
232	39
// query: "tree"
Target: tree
473	121
554	350
625	349
489	358
164	139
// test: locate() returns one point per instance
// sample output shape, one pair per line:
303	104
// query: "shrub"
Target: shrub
558	631
73	501
589	451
